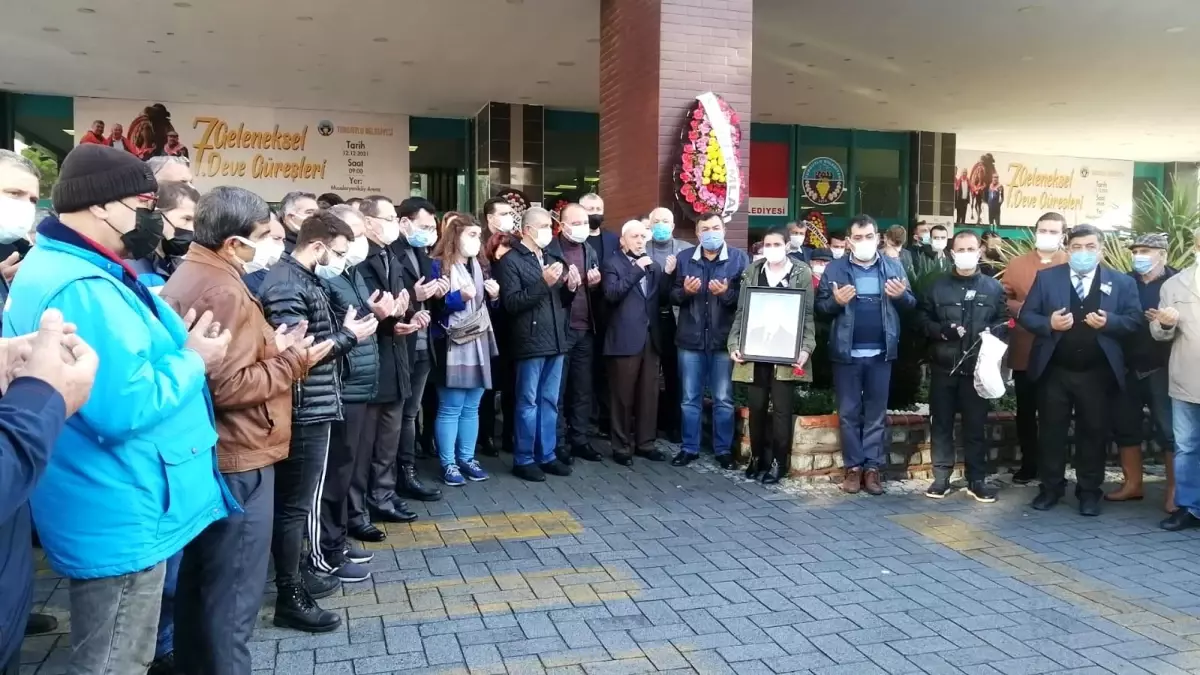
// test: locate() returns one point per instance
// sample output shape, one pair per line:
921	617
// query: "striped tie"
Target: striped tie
1079	290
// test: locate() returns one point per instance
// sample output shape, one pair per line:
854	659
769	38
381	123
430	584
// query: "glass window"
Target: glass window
572	165
877	182
438	172
839	154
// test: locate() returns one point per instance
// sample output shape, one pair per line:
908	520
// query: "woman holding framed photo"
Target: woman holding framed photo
772	337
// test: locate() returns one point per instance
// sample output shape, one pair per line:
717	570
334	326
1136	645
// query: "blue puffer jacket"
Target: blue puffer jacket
133	476
841	335
705	319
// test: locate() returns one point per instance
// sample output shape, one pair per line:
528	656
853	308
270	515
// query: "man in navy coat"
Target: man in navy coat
1078	313
633	284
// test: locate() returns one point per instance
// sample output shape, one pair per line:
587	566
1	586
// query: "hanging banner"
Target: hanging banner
1014	190
270	151
768	178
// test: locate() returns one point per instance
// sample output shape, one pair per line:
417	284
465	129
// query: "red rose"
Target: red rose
698	113
1012	323
693	136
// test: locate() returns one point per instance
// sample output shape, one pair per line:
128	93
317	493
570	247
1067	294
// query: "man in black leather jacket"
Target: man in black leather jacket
956	309
360	373
292	294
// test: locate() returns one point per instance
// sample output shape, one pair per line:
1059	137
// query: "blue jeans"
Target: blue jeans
457	425
538	382
861	388
714	370
1185	421
166	615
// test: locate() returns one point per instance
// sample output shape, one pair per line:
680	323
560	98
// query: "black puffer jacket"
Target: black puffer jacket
360	368
291	294
975	303
537	313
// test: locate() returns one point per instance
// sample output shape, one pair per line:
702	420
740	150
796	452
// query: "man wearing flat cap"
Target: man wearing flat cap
1146	380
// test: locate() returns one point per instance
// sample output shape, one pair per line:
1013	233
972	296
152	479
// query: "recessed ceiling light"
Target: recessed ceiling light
183	5
170	35
304	18
796	45
881	102
891	58
86	10
380	39
376	80
1026	58
766	115
183	61
1057	104
210	32
78	53
50	29
1027	8
847	60
408	63
9	84
525	98
566	64
801	103
143	72
234	85
912	84
543	81
514	2
433	109
791	82
155	51
1176	29
927	61
593	40
190	95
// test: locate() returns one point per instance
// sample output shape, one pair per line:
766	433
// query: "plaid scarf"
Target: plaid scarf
469	366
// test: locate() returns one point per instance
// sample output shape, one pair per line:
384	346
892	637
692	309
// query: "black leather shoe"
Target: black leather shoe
623	460
587	453
529	472
487	448
555	468
319	586
413	488
1023	476
163	665
1089	505
1046	499
392	515
753	472
564	455
725	461
683	459
368	533
774	474
296	608
44	623
1180	520
655	455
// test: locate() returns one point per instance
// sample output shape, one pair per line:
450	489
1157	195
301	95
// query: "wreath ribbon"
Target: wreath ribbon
724	133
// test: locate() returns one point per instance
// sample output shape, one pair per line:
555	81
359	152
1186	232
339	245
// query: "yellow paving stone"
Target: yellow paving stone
490	608
613	597
581	593
434	584
496	519
461	608
401	609
423	528
576	578
511	581
459	523
455	538
504	596
468	588
545	587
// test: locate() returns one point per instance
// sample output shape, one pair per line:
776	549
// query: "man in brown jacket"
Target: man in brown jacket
224	570
1018	279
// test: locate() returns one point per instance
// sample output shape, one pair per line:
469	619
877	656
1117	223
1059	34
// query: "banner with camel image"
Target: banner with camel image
1013	190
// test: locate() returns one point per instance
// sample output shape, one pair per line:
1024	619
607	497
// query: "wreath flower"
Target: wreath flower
708	176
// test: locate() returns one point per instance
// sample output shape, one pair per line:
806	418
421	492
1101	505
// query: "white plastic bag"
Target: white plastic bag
989	381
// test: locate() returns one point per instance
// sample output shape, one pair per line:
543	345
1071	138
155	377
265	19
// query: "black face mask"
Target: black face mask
595	220
179	244
147	232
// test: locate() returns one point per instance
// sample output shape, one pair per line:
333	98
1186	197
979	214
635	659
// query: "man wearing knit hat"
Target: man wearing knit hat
133	476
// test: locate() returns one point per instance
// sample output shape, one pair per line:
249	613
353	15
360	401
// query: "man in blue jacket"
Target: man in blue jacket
138	460
707	278
864	293
1078	313
54	372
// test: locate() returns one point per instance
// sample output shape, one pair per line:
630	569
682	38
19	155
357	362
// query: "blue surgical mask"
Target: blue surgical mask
418	238
1142	264
661	232
1083	262
925	238
712	240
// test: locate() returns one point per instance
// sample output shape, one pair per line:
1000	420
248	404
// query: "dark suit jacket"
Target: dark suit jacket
1052	291
782	344
382	272
410	275
632	313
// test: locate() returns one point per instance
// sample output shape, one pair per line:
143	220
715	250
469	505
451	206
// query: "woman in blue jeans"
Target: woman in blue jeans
464	345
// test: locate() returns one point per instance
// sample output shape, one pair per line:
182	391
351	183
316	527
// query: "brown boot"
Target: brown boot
871	482
1131	466
1169	505
852	481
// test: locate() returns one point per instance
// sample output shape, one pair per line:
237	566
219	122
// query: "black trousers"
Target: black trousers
960	210
575	393
412	409
1088	394
633	399
949	396
373	482
993	214
770	428
602	412
1026	391
504	383
670	399
221	581
347	454
298	483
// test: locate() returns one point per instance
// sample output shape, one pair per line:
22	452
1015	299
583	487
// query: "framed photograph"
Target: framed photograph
772	325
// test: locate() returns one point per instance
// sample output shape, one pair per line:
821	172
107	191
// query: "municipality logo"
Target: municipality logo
325	128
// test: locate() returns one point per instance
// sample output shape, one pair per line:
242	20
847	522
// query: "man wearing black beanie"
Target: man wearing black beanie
132	477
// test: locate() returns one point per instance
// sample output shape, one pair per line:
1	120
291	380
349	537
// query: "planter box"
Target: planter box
817	448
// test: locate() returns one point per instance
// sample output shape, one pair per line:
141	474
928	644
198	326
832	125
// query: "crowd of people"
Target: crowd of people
198	385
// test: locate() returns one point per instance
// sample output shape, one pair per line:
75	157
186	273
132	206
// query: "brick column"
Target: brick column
656	56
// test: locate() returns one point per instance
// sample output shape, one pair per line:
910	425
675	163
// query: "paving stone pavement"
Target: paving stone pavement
696	570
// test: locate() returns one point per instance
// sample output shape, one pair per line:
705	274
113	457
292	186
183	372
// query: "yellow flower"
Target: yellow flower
706	180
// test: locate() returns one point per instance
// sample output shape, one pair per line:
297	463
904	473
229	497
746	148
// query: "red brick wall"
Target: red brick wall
655	57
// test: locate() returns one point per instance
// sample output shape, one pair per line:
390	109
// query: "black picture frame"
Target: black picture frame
795	301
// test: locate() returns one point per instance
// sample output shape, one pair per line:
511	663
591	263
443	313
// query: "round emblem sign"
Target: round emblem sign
823	181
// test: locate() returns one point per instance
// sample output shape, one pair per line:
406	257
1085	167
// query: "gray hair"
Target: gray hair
630	225
591	197
288	203
226	212
535	217
10	158
160	162
348	215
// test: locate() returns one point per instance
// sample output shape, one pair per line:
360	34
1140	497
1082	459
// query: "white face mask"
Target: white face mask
266	253
16	219
1047	243
866	250
837	252
542	237
775	254
506	223
966	260
469	246
818	270
938	245
578	233
357	251
796	241
390	232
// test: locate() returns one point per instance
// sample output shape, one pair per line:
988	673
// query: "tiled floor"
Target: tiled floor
658	569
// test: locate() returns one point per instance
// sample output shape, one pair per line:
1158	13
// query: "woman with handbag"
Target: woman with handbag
464	345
